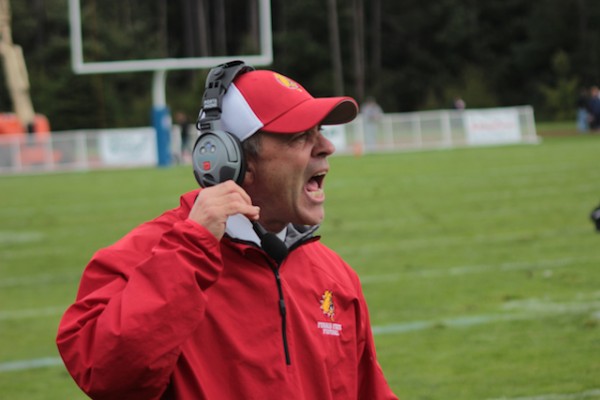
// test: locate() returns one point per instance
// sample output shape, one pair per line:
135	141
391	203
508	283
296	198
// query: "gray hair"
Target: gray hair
251	146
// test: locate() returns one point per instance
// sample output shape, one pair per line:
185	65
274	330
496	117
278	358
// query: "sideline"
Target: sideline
475	269
19	237
24	365
32	313
68	276
555	396
57	361
40	279
529	310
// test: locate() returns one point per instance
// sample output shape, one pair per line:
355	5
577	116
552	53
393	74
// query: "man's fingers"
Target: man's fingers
216	203
230	204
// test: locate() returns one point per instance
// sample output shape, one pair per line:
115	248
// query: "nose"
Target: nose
323	146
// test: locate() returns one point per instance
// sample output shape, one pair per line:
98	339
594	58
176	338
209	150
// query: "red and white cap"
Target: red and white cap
267	101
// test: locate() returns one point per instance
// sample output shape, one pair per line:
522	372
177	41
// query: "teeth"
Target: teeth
319	175
316	193
314	185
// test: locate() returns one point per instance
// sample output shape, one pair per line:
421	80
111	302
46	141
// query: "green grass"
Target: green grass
480	265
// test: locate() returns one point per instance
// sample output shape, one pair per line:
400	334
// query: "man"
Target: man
189	306
594	108
372	114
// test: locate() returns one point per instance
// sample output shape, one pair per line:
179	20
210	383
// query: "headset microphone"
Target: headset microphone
270	243
217	155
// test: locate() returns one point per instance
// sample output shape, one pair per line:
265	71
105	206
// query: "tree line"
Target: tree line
409	55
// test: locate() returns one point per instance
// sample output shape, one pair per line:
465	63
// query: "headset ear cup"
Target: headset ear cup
218	157
240	167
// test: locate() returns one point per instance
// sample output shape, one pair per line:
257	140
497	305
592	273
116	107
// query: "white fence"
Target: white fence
90	149
78	150
437	129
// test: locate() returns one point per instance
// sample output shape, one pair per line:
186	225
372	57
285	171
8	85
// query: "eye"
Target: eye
300	136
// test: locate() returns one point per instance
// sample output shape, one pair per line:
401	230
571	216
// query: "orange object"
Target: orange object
10	124
357	149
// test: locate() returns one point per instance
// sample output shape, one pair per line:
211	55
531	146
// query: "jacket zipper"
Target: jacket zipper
282	308
281	301
283	314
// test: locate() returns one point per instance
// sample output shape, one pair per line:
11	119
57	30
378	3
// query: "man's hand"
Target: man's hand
216	203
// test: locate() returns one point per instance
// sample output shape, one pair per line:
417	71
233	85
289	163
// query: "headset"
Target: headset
217	155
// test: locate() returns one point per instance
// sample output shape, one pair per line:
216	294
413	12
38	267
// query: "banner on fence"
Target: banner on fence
129	147
336	134
492	126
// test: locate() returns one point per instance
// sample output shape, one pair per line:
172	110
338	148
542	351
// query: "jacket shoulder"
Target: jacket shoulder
329	262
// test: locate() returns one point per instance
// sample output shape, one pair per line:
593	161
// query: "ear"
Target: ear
250	174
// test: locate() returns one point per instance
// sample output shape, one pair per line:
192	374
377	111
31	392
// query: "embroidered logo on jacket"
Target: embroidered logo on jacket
328	308
327	305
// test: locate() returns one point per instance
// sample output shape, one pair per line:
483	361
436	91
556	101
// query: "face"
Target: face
287	179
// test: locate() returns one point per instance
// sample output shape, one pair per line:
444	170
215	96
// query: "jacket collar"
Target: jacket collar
239	227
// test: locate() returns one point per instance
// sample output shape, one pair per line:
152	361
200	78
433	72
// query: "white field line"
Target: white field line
525	309
31	313
408	244
531	309
39	279
458	322
474	269
16	237
23	365
528	310
46	278
57	361
556	396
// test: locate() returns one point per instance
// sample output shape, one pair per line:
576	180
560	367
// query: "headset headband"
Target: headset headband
217	82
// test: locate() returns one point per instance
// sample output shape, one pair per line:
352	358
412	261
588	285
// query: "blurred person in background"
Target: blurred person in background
583	117
372	113
594	108
181	137
458	103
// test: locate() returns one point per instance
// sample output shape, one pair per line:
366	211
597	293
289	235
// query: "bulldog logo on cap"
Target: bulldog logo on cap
287	82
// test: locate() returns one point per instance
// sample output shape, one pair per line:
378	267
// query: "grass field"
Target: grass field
480	266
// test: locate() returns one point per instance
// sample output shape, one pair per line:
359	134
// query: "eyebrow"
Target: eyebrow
314	130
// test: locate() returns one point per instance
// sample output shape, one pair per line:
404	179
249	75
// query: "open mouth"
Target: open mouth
314	186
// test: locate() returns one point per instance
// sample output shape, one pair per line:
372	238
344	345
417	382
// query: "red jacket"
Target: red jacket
170	312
